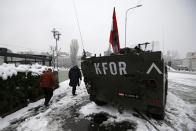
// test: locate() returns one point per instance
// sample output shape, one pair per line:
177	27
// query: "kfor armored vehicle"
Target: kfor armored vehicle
133	78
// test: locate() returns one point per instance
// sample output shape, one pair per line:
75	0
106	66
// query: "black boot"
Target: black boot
74	90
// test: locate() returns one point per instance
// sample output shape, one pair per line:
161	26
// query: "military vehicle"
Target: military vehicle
133	78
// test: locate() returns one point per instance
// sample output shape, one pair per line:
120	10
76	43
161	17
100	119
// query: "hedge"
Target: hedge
17	91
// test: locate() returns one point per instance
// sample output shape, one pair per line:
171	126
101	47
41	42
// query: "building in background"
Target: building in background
3	50
188	63
6	56
64	59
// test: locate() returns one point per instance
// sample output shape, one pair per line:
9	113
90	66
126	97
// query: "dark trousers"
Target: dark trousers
73	90
48	94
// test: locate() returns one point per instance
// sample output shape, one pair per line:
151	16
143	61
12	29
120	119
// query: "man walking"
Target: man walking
74	76
47	82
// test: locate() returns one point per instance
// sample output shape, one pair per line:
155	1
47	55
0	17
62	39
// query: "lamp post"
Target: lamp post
56	36
126	20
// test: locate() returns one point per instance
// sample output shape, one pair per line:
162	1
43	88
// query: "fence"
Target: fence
24	58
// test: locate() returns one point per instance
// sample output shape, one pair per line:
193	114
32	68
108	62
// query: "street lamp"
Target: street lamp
56	36
126	20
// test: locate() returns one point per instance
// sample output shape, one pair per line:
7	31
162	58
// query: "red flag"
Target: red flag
114	38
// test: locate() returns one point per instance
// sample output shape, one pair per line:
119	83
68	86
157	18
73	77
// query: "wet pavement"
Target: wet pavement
95	122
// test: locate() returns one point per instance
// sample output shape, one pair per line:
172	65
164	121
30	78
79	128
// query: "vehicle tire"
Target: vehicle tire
92	97
99	103
159	116
92	94
156	116
166	89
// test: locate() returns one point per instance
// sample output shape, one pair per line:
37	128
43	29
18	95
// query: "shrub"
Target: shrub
17	91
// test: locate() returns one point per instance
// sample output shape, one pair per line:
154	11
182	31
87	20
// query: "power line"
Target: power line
75	10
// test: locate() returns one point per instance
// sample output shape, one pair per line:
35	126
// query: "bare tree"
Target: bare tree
73	52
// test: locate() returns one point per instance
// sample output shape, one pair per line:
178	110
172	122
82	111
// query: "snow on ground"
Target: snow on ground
92	108
185	79
177	114
6	120
40	121
180	114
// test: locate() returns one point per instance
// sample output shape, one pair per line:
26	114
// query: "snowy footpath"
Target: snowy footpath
77	113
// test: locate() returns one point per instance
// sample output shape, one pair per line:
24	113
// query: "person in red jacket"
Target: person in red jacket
47	82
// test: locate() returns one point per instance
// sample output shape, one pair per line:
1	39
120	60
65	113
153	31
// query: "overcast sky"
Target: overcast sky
27	24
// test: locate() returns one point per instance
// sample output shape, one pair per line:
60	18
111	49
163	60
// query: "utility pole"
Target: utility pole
56	36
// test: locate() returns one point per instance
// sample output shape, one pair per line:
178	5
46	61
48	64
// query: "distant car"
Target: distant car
184	68
181	68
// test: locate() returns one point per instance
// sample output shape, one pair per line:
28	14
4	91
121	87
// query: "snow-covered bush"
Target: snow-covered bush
19	85
8	70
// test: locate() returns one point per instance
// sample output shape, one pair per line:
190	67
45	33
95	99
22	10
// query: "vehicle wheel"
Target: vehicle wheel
120	109
100	103
159	116
166	88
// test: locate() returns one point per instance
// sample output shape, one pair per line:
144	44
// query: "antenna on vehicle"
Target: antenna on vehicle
152	45
76	15
163	38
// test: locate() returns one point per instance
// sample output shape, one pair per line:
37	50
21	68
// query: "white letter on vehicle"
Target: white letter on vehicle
122	68
104	68
98	71
113	69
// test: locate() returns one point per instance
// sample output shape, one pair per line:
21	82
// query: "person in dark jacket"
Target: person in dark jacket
47	82
74	76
